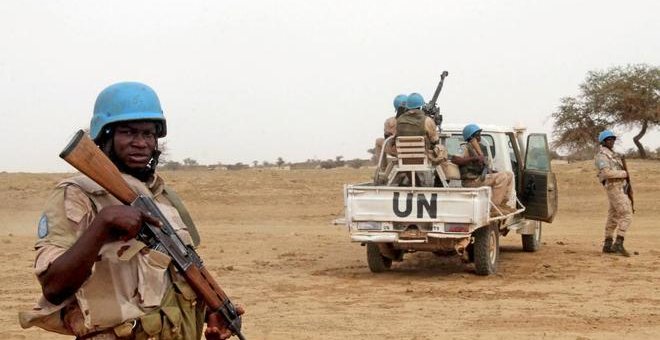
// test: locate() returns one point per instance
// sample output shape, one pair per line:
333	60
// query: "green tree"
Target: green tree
621	96
576	124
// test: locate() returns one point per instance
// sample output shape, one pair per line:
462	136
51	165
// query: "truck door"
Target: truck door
539	182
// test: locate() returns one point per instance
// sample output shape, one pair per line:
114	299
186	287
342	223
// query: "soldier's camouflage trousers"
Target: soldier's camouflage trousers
619	215
500	182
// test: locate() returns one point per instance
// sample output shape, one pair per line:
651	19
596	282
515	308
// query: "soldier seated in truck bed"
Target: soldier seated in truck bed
414	122
475	173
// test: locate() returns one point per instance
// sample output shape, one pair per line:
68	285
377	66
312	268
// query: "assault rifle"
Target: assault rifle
431	108
629	189
84	155
477	148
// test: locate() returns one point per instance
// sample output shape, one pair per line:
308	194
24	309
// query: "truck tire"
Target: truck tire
486	250
532	243
377	262
470	252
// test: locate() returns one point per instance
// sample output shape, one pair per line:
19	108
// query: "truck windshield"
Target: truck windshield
454	144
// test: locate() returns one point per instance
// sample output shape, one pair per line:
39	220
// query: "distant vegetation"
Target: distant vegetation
280	164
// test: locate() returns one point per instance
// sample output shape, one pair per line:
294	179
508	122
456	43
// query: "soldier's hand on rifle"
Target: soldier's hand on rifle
479	159
124	222
216	328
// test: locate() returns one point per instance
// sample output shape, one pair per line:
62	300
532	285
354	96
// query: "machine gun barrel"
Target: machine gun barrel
431	108
436	94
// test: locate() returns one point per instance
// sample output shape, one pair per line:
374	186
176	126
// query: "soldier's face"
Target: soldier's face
609	142
134	143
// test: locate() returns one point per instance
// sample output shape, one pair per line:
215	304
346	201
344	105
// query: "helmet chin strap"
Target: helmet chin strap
143	174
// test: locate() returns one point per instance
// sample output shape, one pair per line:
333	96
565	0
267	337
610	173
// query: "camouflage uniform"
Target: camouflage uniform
133	292
613	178
416	123
389	129
500	182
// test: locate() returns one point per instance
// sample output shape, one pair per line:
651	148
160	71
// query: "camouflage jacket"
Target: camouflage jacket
608	164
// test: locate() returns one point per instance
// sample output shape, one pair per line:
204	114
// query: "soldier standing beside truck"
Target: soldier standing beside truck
98	280
614	178
475	171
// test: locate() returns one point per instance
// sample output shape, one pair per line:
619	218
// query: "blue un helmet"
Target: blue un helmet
415	101
605	134
469	131
125	102
400	101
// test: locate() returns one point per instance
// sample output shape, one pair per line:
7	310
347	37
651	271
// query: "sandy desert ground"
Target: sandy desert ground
268	237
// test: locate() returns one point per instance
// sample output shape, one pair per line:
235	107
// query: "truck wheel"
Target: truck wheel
486	250
532	243
377	262
470	251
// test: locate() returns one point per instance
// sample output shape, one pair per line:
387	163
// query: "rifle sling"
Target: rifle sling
174	198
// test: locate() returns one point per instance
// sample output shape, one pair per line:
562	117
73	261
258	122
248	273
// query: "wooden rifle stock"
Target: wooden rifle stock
84	155
629	192
477	148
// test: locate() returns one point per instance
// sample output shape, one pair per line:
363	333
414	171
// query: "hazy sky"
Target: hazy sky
256	80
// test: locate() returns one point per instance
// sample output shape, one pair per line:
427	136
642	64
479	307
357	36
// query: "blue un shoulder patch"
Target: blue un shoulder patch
42	229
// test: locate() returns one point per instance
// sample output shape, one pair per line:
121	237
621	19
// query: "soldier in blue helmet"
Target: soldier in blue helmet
98	281
473	171
389	128
414	122
614	179
119	106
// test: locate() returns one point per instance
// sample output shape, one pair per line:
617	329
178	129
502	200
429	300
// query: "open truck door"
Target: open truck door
539	182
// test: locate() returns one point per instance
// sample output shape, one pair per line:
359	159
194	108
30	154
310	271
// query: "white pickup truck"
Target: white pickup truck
413	205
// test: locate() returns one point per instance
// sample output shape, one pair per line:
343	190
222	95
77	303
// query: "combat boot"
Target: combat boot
607	245
617	247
